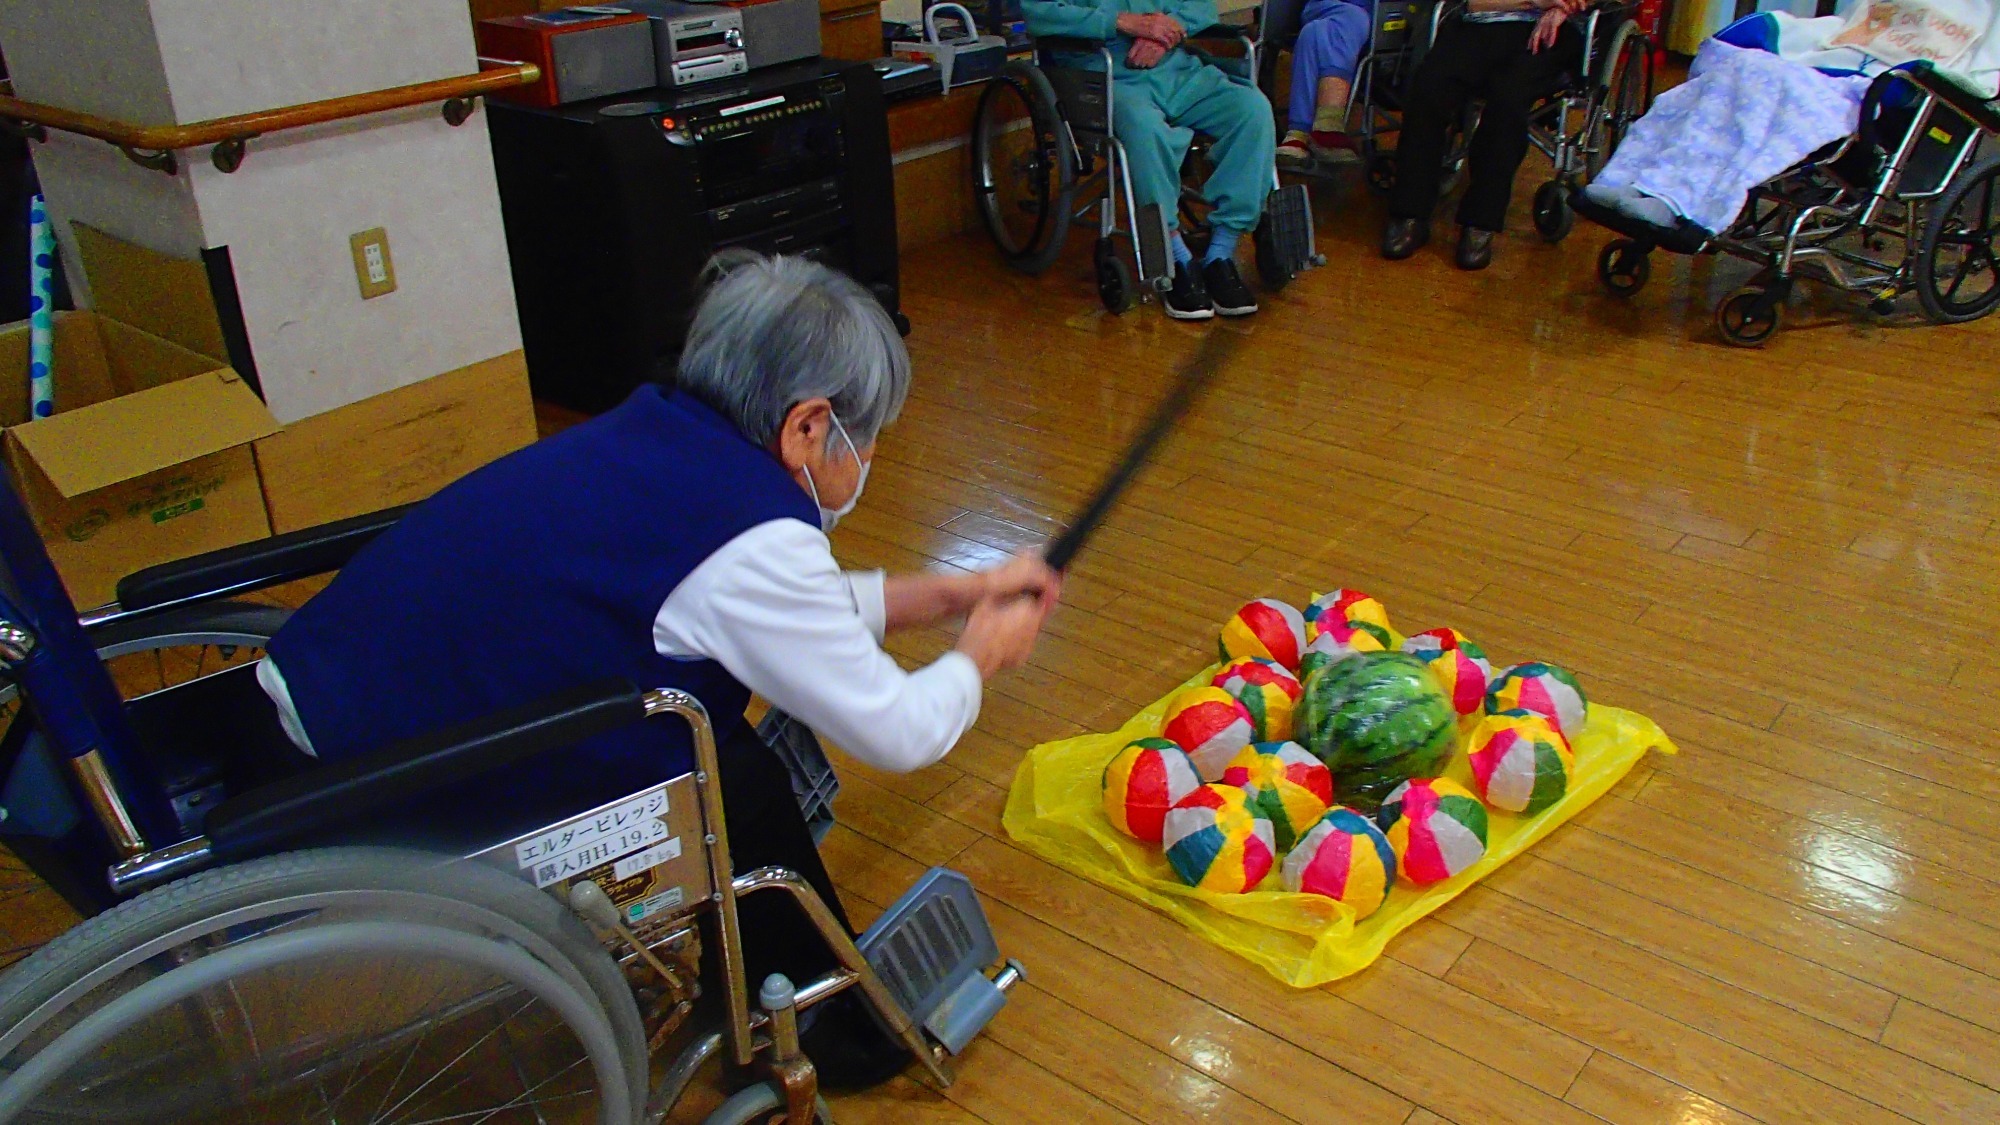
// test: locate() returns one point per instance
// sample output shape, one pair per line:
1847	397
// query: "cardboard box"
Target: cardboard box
146	459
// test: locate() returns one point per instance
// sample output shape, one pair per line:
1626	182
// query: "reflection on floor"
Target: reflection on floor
1784	556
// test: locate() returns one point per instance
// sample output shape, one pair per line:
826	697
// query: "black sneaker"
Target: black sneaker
1188	299
1226	289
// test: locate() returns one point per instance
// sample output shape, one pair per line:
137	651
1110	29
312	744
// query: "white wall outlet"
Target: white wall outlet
373	267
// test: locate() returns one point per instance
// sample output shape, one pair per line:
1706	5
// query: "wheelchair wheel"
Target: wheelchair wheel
1957	273
1553	218
1623	268
1115	286
1742	322
763	1104
171	648
1023	167
343	984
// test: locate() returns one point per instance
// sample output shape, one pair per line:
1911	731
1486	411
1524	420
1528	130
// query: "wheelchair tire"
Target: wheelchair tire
1964	225
1741	324
1115	286
762	1104
159	962
1623	268
1025	186
1553	218
231	627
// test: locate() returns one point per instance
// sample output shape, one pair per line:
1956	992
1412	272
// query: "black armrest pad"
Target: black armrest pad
268	818
253	566
1220	31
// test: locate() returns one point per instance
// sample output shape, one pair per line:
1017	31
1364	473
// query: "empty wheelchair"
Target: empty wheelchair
346	942
1045	155
1906	203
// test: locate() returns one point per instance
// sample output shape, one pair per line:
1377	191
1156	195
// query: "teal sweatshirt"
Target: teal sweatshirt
1098	19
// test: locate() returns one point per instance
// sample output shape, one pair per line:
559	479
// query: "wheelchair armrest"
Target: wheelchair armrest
256	565
269	818
1069	43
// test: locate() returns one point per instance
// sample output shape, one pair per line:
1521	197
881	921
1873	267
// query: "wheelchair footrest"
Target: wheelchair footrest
931	950
1289	211
1149	238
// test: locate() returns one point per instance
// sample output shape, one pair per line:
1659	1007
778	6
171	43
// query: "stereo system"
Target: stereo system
603	49
613	207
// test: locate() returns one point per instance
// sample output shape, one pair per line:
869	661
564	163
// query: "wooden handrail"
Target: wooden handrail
154	145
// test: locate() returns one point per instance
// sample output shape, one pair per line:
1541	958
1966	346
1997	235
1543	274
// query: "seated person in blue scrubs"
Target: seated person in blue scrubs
678	541
1163	92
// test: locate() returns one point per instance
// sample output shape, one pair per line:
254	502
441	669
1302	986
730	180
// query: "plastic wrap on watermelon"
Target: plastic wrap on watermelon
1377	719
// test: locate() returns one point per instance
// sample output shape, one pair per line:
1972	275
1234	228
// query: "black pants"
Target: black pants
1475	60
766	829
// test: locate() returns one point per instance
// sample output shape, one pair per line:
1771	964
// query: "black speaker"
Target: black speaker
612	208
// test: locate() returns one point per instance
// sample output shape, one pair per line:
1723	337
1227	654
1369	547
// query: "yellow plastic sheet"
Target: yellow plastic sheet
1055	809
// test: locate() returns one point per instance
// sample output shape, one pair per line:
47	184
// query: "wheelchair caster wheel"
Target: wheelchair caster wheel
1115	286
1749	316
1553	218
1623	267
1380	172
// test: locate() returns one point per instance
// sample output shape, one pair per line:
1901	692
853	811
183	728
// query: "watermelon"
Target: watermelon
1377	719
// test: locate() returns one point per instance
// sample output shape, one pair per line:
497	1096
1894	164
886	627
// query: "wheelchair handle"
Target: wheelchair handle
1871	106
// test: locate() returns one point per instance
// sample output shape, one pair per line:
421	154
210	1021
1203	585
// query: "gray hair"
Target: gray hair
773	332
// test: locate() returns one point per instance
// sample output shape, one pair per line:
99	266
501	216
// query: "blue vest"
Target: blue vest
540	571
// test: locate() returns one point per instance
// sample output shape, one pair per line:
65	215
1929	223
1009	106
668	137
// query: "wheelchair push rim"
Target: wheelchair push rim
349	985
1023	168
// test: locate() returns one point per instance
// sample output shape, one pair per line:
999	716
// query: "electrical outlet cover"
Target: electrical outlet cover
373	268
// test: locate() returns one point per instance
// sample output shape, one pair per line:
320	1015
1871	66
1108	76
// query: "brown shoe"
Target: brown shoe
1475	248
1404	237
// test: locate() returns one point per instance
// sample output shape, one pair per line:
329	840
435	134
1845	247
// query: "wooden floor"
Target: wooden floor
1784	556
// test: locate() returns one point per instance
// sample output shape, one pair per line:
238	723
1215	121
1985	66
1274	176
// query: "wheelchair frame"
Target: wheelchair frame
1816	219
1085	139
44	643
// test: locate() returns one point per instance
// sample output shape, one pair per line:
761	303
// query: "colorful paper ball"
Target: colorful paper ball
1544	689
1267	689
1266	628
1460	666
1211	725
1290	787
1437	828
1338	640
1142	782
1346	605
1520	762
1346	858
1216	841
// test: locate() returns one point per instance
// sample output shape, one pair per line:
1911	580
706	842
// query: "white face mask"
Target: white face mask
831	516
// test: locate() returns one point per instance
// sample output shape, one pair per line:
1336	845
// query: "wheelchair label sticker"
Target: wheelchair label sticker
652	857
584	831
647	907
594	840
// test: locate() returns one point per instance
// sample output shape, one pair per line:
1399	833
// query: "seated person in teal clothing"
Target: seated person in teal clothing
1164	92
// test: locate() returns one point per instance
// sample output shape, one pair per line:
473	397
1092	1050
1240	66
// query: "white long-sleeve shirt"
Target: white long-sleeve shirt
774	609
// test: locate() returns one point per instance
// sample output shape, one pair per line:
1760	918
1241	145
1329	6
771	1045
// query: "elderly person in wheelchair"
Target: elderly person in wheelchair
1164	91
1510	53
678	540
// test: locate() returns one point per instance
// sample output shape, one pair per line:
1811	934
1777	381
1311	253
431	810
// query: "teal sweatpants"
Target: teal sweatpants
1156	114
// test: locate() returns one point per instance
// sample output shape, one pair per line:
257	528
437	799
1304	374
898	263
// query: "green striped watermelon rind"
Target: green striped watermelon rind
1377	719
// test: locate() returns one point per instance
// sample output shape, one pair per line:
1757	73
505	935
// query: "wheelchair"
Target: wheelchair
1576	125
253	951
1910	177
1045	155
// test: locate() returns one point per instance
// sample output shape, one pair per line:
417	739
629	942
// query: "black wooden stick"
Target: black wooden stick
1215	347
